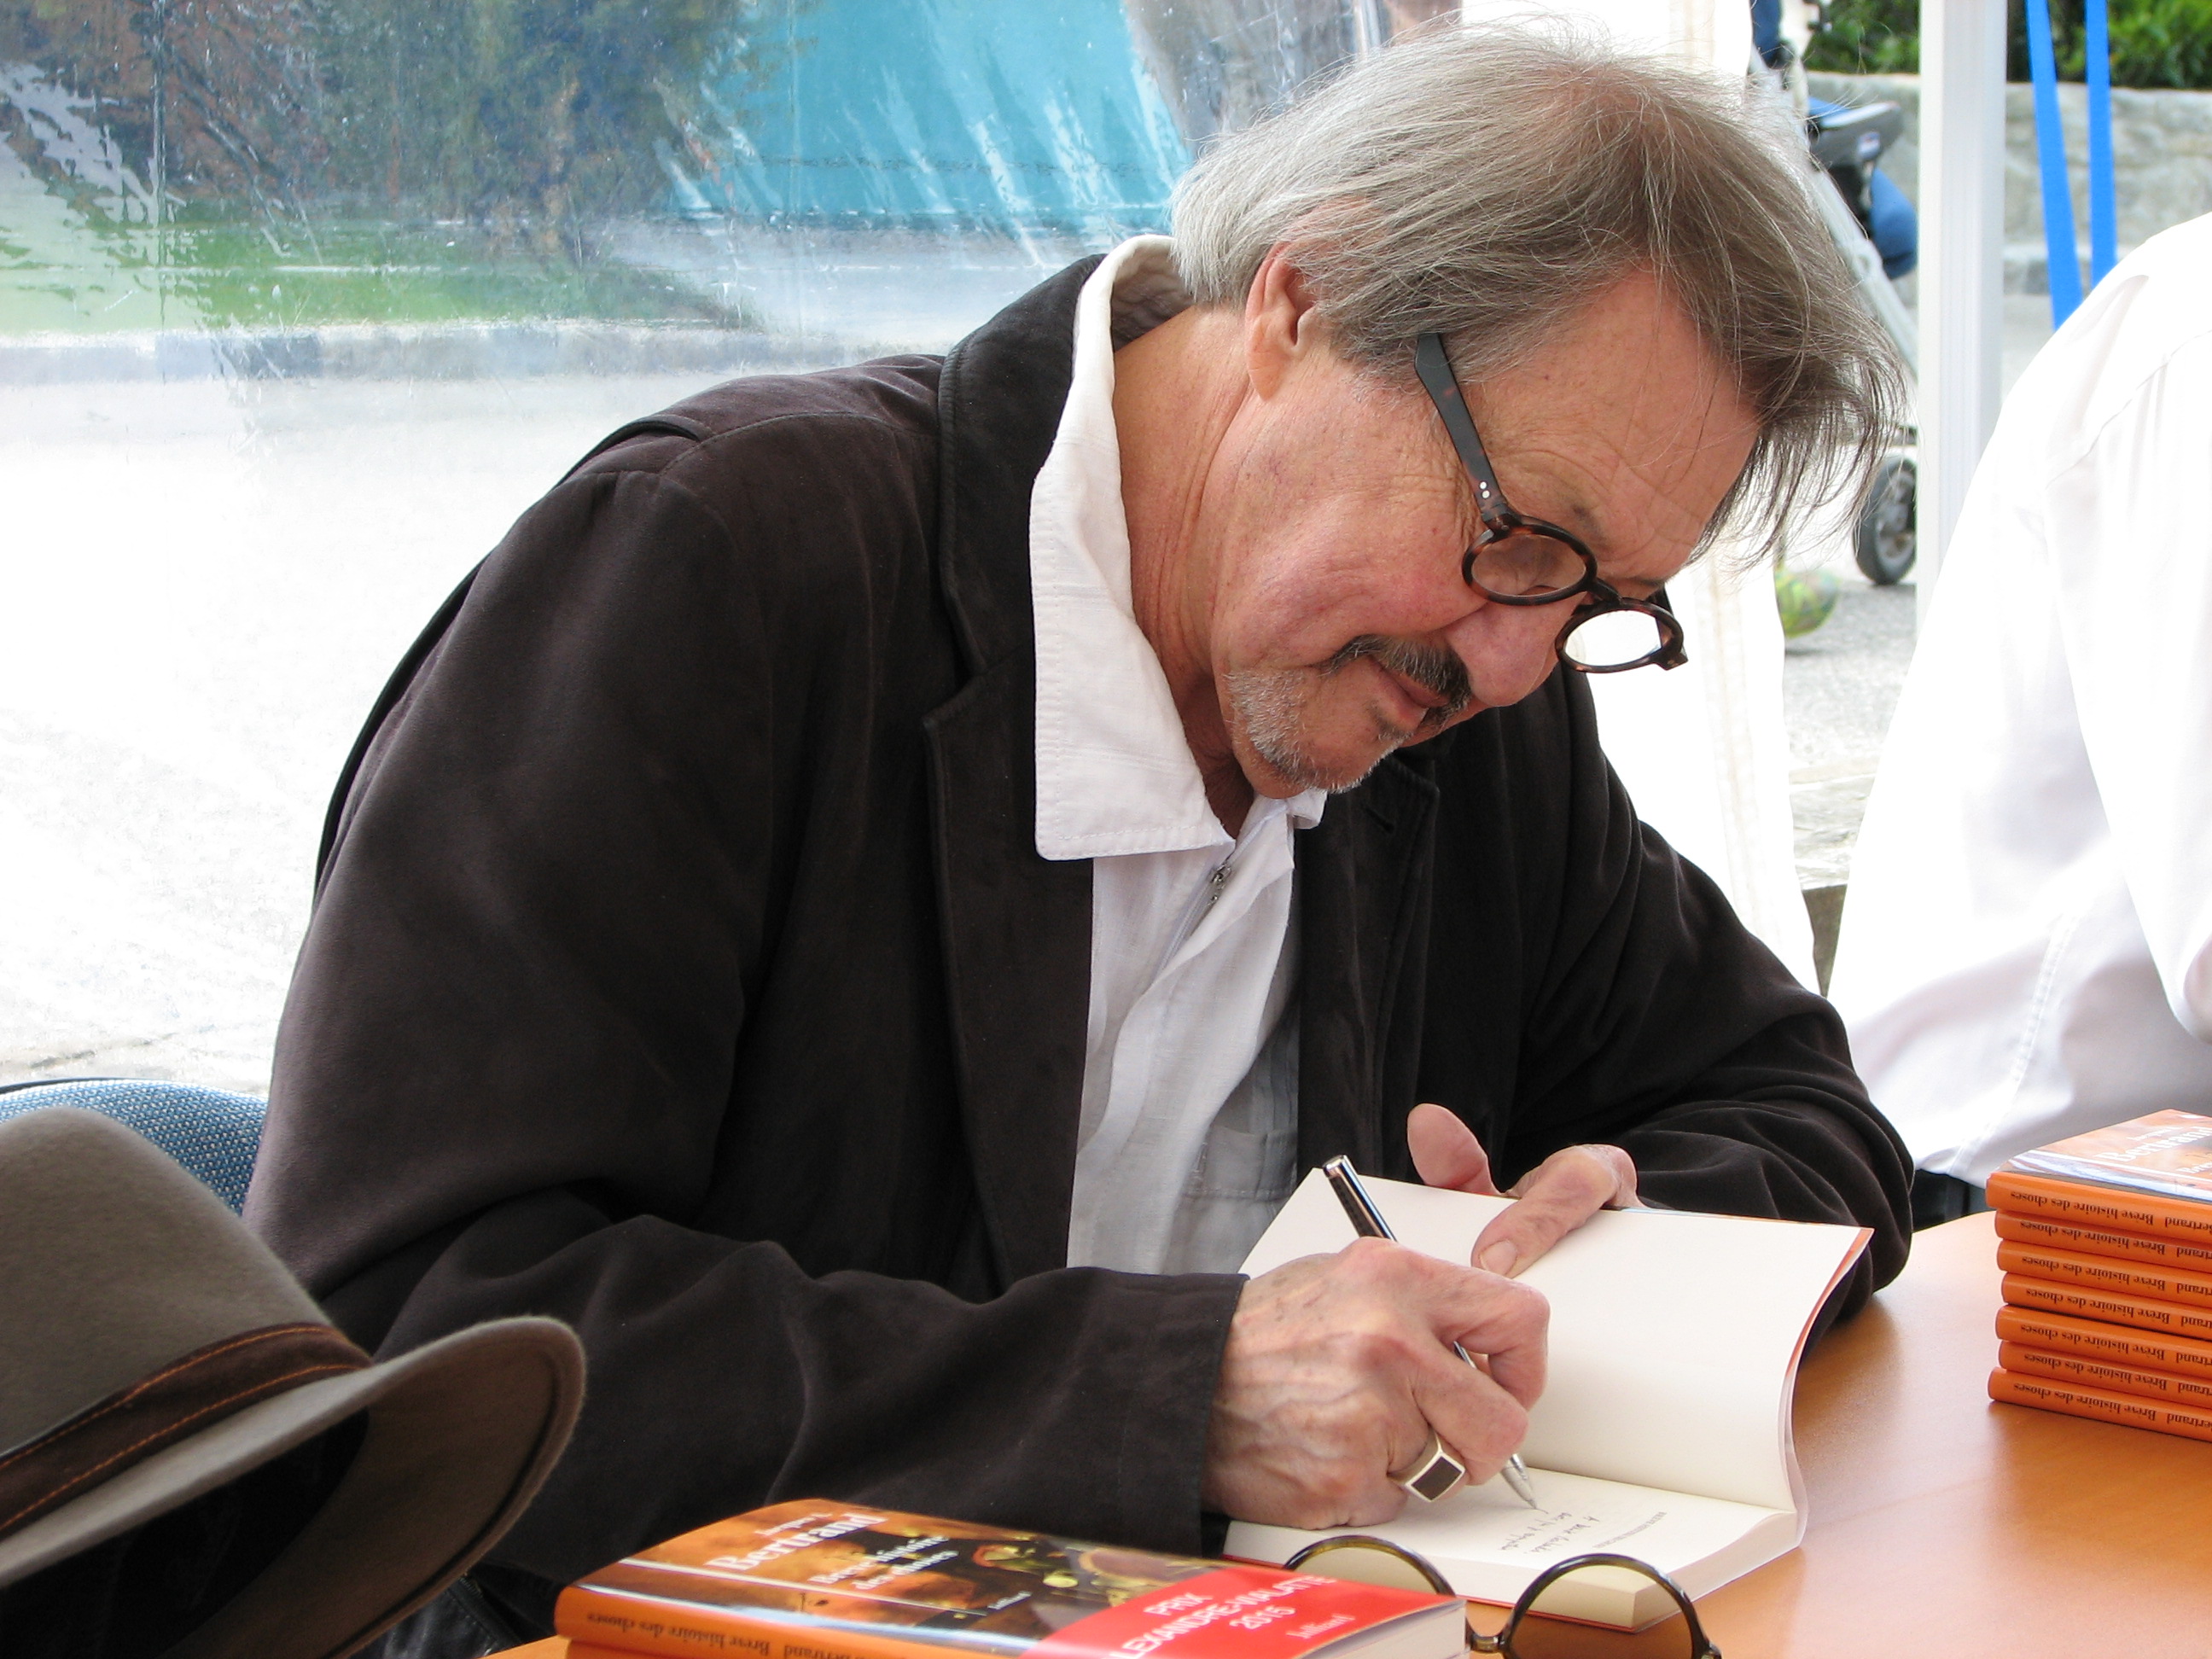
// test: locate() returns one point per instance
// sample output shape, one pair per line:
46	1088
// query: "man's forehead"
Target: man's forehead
1633	454
1640	514
1648	414
1630	364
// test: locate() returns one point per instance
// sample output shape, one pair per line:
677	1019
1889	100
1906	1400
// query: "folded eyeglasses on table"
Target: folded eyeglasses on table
1538	1626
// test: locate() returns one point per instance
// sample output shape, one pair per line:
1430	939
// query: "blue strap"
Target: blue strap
2051	157
2104	230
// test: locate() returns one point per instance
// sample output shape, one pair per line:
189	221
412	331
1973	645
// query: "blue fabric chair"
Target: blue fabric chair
214	1134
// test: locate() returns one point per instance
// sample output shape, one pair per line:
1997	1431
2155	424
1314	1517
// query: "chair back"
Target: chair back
214	1134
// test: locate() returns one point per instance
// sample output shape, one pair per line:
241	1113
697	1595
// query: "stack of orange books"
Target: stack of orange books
2106	1240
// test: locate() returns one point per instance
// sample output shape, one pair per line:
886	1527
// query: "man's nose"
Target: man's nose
1510	649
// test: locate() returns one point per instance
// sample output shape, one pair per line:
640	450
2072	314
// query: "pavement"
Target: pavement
207	581
1840	687
210	578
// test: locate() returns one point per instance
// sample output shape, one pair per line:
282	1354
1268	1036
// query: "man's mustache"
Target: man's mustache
1433	667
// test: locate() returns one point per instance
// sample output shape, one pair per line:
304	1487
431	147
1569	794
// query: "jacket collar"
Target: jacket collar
999	404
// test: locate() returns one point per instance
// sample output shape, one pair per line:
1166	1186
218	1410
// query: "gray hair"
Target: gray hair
1486	182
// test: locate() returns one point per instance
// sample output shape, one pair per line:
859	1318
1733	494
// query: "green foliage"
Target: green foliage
1867	37
376	272
264	275
2154	43
531	119
543	113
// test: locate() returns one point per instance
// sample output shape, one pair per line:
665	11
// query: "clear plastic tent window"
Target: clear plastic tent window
253	164
302	301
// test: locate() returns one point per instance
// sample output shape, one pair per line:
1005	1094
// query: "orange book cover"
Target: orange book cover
814	1579
2081	1371
2168	1153
2096	1241
2113	1209
2119	1345
2130	1411
2102	1273
2174	1318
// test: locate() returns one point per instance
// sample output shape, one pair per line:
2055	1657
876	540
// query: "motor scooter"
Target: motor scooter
1848	142
1877	230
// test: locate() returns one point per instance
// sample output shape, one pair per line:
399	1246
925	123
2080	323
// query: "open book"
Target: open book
1664	1430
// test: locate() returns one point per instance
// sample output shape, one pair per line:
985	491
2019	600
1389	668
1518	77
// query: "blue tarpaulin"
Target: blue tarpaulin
996	115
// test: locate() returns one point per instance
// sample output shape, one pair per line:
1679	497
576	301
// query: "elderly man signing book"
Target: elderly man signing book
867	902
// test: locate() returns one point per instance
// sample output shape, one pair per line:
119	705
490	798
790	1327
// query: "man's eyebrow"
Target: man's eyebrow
1592	529
1587	524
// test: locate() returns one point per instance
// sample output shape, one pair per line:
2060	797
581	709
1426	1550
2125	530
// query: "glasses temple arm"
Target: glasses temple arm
1435	369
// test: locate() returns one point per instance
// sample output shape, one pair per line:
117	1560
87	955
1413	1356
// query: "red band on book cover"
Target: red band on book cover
1234	1613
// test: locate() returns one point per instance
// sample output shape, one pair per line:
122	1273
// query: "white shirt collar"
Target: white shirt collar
1114	771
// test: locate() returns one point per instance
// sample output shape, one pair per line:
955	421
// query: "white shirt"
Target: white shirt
1189	1132
2027	949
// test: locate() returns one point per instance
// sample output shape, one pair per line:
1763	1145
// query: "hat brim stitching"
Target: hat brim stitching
176	1367
243	1397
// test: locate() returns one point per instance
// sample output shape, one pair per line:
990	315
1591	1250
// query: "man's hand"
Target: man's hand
1556	1197
1336	1368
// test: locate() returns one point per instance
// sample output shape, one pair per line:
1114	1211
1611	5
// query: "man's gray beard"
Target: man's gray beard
1271	706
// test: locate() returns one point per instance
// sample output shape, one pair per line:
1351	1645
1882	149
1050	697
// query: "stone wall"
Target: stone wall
2161	162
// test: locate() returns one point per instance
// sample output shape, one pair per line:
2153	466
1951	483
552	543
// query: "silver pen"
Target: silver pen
1436	1472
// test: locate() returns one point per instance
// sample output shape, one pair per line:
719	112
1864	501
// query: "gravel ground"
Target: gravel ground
1841	685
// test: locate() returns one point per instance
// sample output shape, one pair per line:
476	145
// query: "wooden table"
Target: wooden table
1946	1527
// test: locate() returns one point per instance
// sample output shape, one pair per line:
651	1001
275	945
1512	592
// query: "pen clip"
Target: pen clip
1351	1192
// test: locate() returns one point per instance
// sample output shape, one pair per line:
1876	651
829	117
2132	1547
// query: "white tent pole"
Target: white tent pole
1962	92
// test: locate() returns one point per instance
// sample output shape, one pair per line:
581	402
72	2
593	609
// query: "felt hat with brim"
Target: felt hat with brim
157	1365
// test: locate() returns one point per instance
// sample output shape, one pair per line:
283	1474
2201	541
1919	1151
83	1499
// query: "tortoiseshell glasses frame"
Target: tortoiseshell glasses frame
1522	561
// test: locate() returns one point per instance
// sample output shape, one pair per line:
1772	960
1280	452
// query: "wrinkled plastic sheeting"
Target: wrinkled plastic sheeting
1003	116
995	115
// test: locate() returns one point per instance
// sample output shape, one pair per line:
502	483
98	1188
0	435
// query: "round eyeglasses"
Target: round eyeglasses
1553	1617
1518	560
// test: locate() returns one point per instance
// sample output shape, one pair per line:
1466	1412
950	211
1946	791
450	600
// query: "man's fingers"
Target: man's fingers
1446	1151
1480	1411
1563	1192
1614	1160
1503	1324
1482	1422
1520	1371
1337	1367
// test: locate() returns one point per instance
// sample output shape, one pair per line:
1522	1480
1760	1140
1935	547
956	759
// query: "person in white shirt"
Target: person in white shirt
2027	946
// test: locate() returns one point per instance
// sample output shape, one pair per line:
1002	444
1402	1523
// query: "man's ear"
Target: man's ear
1280	322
